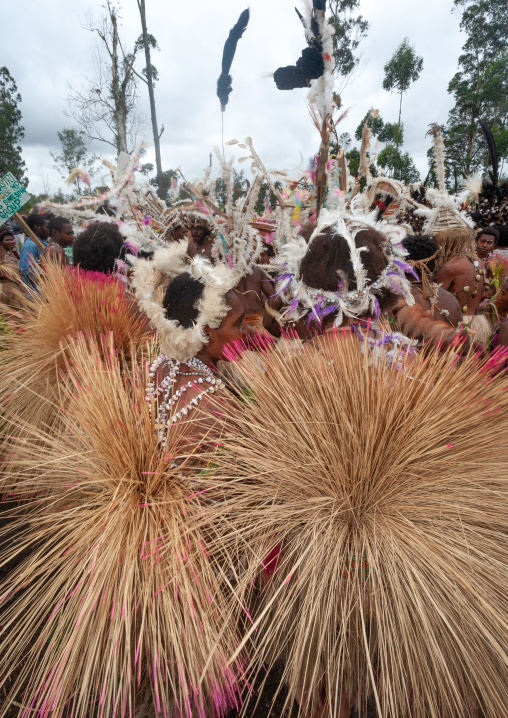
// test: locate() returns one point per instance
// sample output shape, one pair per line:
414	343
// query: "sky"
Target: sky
49	49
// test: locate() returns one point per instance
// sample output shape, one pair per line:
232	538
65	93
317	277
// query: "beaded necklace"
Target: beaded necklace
479	274
202	375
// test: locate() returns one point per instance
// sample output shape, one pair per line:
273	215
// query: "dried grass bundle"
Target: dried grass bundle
69	302
371	509
116	599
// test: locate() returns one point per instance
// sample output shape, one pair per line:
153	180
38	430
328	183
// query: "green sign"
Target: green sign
12	197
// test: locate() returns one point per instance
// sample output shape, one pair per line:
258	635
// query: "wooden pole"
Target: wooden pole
26	229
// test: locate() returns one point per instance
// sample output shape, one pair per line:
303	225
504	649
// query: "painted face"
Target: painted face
198	233
485	244
8	242
65	236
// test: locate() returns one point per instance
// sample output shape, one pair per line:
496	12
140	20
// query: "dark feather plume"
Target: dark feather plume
310	65
224	86
492	152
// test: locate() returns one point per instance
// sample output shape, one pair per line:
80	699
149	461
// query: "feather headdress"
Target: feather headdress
151	278
302	300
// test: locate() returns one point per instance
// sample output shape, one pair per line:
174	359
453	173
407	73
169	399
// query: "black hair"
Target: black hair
181	298
503	236
6	233
57	223
98	247
421	246
35	220
490	231
328	259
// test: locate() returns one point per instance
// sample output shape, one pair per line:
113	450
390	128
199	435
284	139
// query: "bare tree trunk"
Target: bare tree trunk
120	114
155	129
398	135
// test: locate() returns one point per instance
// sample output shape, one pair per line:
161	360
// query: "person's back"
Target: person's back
30	251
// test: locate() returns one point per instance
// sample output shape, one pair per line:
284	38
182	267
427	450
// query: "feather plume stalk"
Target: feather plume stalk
373	530
439	155
114	600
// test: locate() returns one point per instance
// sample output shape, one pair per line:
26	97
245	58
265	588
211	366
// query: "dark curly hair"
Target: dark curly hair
57	223
490	231
181	298
502	242
328	259
421	246
36	220
98	247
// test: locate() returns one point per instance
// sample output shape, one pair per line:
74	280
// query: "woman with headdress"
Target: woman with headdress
196	313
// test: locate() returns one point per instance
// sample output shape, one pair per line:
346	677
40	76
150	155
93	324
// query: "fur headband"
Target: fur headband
303	300
152	278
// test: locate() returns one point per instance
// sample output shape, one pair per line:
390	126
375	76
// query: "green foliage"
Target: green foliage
353	159
74	154
167	177
398	165
480	86
382	131
240	186
265	189
350	29
402	69
11	131
139	46
376	125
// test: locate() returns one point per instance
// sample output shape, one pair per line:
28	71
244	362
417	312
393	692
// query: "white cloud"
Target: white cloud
53	50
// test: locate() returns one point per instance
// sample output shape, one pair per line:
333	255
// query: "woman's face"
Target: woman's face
8	242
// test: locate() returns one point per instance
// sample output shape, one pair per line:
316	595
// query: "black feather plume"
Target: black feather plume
492	152
224	86
310	65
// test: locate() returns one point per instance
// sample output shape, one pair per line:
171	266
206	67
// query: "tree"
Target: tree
11	130
150	75
353	159
480	87
240	187
350	29
398	165
106	107
162	182
381	130
264	192
74	154
401	71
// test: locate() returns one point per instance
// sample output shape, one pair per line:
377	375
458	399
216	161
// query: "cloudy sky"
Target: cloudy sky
49	48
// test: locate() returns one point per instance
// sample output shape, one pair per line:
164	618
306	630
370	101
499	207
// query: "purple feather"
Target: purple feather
407	268
329	310
293	307
282	278
376	311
